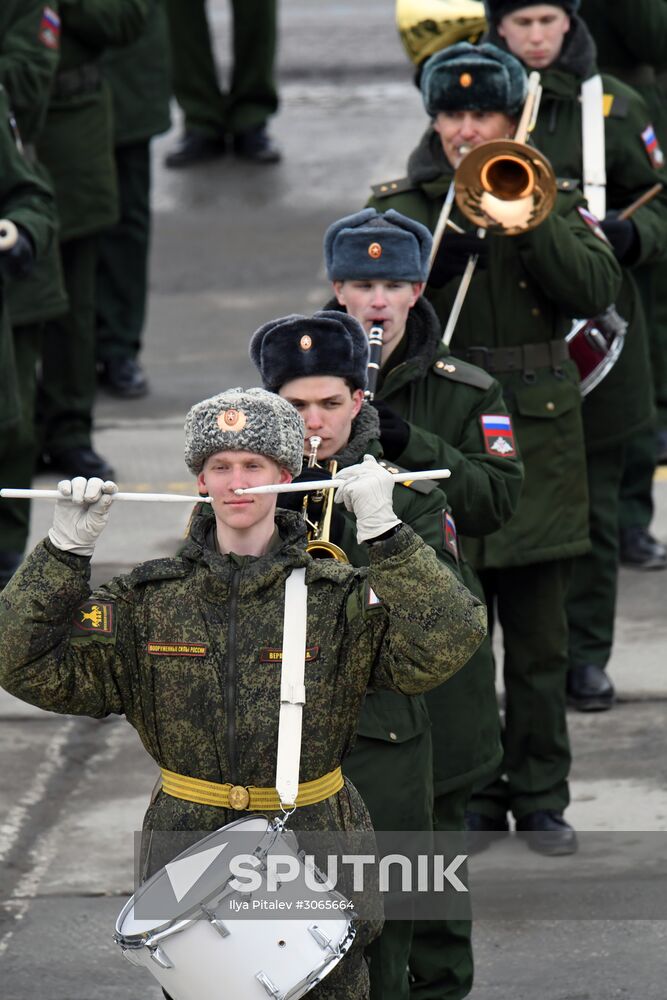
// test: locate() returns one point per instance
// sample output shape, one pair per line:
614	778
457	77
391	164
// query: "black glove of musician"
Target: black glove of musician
394	431
453	254
18	261
294	501
623	236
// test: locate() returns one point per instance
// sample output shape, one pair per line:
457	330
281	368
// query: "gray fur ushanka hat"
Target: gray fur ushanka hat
327	343
495	9
469	77
372	245
244	420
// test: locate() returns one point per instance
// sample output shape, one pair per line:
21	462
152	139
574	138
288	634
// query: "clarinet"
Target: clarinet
375	341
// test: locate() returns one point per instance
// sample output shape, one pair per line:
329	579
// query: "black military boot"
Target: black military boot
481	830
256	144
195	147
123	377
80	461
589	689
547	832
641	550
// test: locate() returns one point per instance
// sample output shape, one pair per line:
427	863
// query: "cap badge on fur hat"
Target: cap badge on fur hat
465	80
232	420
306	342
375	251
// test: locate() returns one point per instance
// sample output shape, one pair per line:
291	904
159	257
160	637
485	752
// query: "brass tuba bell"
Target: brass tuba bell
505	186
318	510
426	26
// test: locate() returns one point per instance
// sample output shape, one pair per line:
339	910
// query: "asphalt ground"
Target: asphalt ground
234	246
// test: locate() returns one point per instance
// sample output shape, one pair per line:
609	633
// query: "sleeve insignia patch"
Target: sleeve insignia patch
176	649
498	434
94	618
652	147
592	222
273	655
49	29
372	599
450	533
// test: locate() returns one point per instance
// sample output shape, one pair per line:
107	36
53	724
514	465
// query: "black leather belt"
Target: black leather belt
82	80
526	358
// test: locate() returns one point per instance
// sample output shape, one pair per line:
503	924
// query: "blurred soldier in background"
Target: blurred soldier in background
616	127
631	41
29	48
214	120
76	146
123	251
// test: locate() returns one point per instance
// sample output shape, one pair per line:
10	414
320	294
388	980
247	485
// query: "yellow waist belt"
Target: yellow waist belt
247	797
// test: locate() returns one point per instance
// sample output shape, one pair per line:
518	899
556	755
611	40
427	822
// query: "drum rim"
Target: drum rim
140	939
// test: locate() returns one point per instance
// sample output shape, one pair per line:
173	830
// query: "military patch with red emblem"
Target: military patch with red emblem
498	434
49	29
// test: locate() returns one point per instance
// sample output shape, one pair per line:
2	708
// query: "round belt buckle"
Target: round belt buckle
239	797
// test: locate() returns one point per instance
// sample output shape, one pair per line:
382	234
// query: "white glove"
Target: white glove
368	493
80	517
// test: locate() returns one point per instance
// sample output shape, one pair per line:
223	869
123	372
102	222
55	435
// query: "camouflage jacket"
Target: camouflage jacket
187	649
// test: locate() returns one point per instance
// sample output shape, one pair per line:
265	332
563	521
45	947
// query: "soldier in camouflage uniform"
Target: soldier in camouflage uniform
319	364
430	406
209	708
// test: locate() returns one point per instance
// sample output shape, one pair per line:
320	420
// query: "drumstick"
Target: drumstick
11	494
8	234
643	199
332	484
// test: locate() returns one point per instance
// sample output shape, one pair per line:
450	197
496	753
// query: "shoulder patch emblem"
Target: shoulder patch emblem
592	222
498	434
652	147
49	29
94	618
450	534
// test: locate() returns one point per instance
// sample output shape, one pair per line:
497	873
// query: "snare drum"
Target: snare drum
177	925
595	345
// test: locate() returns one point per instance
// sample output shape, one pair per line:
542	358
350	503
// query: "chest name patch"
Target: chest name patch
49	29
176	649
498	434
94	618
272	655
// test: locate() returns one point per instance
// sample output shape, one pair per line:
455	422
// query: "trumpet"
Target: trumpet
317	512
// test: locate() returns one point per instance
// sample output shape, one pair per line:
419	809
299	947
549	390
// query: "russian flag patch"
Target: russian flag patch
451	537
652	146
49	29
498	434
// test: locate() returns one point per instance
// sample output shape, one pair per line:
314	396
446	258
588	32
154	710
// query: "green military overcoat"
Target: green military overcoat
532	284
619	406
27	201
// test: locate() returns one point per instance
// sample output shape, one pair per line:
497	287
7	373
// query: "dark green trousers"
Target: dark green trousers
636	487
405	803
529	604
251	96
18	444
122	260
591	599
441	958
67	387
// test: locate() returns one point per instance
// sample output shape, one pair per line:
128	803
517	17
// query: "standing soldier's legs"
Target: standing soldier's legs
194	73
407	806
67	388
122	273
252	95
591	599
441	959
17	453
